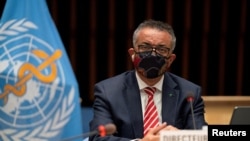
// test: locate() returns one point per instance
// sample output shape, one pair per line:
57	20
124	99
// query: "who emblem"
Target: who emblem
35	102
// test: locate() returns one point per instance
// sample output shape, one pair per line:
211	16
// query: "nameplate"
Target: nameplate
184	135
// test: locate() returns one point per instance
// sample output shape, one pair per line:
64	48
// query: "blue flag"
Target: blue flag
39	95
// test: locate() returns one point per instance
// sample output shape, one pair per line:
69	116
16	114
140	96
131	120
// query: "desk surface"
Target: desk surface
219	109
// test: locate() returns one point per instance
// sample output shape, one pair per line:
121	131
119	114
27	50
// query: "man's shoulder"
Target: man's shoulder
181	80
119	77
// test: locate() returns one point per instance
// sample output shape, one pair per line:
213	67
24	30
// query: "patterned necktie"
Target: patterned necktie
151	118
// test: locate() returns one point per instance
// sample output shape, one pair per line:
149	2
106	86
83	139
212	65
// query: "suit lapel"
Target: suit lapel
134	106
169	103
169	100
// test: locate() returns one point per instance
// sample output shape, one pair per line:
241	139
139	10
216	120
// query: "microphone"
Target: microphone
102	130
190	99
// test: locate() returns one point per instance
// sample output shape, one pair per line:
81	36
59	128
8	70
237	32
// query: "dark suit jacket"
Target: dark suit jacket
117	100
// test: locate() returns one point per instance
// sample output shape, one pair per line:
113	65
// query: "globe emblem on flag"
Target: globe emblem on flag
40	99
32	86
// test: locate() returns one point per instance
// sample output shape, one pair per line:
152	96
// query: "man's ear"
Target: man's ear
131	52
171	59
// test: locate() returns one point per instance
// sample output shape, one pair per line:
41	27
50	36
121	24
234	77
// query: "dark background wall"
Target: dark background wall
212	39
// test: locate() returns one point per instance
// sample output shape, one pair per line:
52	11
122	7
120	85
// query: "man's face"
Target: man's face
152	54
156	39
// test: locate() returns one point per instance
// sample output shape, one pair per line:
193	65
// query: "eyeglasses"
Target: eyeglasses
158	49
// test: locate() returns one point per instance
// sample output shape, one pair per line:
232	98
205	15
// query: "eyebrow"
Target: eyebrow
153	45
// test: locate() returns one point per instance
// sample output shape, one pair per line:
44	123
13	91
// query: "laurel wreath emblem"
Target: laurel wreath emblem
15	27
48	130
52	127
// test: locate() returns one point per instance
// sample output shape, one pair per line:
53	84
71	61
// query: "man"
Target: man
122	100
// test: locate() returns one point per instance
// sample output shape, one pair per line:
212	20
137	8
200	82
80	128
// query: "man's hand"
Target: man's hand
154	133
170	127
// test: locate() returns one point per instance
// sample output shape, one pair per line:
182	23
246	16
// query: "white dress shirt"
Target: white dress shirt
157	95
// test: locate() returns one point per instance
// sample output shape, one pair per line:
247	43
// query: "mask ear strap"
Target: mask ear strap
135	52
168	57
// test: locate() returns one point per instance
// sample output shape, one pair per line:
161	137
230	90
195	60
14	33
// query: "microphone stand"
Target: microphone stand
192	111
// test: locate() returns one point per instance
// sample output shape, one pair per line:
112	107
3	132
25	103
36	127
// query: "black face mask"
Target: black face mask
150	66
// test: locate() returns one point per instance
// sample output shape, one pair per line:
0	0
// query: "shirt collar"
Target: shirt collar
142	84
